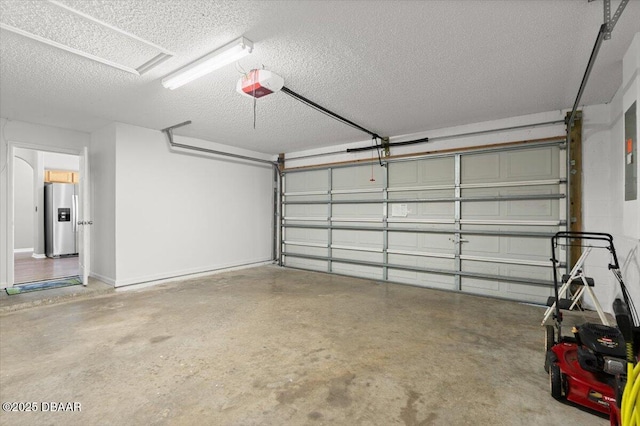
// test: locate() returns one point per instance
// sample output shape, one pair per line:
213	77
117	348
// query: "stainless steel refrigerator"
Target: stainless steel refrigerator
60	219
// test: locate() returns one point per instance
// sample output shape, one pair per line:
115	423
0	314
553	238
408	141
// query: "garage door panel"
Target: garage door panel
480	209
525	271
318	236
533	294
523	247
305	210
421	261
341	211
358	177
365	239
531	208
476	287
357	270
323	197
511	166
480	286
480	168
484	210
364	256
306	250
429	172
404	174
315	180
486	268
507	290
351	196
437	171
425	194
530	164
410	211
509	248
403	240
446	226
422	279
431	243
310	264
434	210
481	245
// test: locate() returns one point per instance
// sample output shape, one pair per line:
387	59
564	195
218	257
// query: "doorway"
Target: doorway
31	174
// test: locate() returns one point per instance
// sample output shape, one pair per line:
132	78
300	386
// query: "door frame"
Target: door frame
11	146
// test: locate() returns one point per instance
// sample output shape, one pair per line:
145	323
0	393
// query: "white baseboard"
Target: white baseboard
102	278
23	250
144	284
39	256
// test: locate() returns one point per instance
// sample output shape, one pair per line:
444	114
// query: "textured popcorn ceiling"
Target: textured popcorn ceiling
394	67
57	24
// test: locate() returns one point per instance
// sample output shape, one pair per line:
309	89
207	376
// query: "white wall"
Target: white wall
56	161
33	136
605	209
157	214
179	214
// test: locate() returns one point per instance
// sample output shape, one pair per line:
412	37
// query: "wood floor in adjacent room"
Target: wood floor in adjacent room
28	269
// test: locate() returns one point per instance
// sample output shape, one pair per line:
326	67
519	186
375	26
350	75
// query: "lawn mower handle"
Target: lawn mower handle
567	235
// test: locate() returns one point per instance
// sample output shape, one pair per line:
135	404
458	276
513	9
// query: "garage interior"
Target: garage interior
368	244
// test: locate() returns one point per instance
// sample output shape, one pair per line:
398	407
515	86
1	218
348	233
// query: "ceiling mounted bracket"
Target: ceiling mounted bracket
609	21
386	148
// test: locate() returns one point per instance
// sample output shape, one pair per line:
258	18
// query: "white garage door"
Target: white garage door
477	221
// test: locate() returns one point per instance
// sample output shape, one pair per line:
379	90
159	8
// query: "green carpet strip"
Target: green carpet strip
44	285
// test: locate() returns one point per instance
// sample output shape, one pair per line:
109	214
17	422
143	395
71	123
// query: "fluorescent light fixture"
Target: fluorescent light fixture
227	54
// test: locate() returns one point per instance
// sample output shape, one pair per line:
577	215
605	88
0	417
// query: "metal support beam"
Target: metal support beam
457	238
490	277
385	222
329	214
437	200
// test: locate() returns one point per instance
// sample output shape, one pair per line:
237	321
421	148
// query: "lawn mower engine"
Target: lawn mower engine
601	349
585	369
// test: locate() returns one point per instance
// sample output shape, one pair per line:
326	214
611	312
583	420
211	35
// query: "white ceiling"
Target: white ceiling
394	67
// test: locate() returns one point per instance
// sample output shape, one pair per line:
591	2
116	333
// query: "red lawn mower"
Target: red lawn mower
595	367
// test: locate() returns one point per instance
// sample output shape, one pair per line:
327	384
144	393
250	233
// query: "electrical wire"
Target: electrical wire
239	68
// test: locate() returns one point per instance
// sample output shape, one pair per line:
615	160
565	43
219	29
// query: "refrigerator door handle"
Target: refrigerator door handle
75	213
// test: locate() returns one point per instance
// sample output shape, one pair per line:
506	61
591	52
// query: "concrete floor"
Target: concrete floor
272	346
